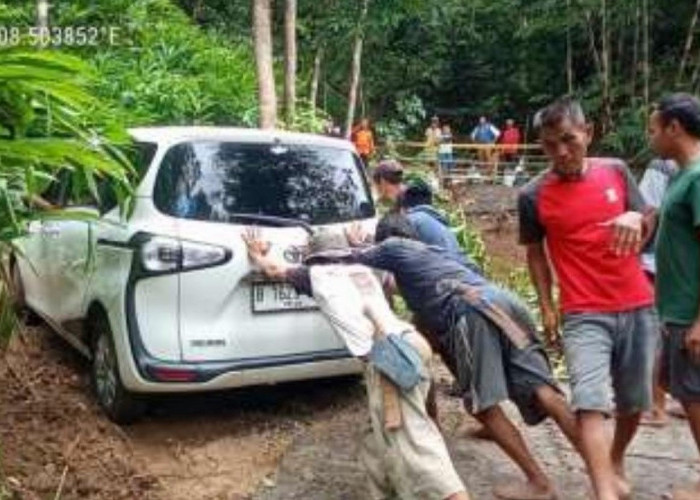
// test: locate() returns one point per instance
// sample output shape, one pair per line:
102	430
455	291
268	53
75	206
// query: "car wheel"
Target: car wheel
19	300
120	405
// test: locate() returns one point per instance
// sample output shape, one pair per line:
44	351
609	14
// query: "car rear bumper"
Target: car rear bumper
248	377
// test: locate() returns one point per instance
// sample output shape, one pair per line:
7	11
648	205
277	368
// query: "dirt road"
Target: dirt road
288	442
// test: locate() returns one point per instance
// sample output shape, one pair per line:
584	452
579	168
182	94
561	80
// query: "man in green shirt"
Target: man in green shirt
674	133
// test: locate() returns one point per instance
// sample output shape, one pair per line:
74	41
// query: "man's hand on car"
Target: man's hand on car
356	235
257	247
258	253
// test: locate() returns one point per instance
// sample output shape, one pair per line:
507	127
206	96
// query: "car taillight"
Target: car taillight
163	254
199	254
166	374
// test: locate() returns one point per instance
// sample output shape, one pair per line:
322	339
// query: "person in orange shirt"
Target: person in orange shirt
364	141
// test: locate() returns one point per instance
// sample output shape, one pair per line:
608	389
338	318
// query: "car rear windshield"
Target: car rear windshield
216	181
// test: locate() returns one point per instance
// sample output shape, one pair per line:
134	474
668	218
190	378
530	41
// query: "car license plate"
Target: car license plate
269	297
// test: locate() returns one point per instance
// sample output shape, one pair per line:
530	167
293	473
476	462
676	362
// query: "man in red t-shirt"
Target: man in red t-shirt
589	213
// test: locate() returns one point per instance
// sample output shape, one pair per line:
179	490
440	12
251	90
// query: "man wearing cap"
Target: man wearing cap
404	453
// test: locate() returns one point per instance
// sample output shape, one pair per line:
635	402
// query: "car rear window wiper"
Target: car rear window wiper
272	220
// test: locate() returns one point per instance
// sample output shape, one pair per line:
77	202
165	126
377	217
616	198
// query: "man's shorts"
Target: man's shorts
605	350
411	462
679	373
490	369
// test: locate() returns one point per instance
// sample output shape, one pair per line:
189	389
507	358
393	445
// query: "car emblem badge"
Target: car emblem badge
293	254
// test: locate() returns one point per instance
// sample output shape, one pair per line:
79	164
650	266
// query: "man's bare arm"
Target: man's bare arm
541	276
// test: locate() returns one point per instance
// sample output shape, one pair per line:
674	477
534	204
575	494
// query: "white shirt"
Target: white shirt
343	292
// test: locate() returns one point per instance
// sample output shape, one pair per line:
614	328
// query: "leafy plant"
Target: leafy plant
45	128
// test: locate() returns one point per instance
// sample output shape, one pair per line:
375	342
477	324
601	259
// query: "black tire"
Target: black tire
19	301
120	405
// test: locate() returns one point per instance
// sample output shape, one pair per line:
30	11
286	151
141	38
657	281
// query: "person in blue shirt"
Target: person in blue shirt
485	134
431	226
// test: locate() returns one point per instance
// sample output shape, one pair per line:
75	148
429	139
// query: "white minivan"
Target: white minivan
166	299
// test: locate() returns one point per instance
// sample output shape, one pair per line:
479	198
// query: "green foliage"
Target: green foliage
45	128
306	118
504	59
409	115
172	73
627	137
162	69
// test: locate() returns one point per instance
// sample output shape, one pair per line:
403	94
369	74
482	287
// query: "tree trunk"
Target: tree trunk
42	14
605	66
695	79
569	55
198	11
635	51
355	71
290	60
315	77
688	44
620	52
592	43
262	37
646	64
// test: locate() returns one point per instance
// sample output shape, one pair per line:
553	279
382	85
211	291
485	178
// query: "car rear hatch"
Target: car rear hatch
227	310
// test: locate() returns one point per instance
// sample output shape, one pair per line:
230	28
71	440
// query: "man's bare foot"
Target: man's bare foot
521	490
654	418
687	493
623	487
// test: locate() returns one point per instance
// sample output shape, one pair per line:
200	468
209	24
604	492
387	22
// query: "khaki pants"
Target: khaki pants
411	462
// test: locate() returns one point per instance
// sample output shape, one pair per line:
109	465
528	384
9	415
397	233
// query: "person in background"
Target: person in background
590	215
388	182
331	129
445	153
510	139
674	133
364	141
485	134
653	187
433	135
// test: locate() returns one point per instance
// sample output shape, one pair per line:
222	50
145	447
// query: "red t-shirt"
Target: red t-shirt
569	216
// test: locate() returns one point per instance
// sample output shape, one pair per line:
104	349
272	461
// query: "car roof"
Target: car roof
170	135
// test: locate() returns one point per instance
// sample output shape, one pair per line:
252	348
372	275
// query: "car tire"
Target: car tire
120	405
19	300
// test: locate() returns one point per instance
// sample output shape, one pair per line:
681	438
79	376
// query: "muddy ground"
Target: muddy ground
293	441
